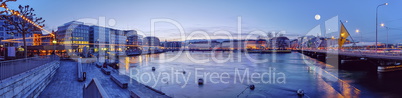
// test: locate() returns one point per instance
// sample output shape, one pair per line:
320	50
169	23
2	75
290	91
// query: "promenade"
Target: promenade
65	84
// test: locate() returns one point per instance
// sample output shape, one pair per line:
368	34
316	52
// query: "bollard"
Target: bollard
104	65
200	81
300	92
84	75
252	87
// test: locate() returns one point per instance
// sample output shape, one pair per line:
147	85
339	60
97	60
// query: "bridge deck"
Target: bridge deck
389	56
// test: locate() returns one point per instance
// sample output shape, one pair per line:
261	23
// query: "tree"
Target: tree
23	22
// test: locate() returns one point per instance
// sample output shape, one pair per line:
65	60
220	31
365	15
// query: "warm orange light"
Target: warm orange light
3	5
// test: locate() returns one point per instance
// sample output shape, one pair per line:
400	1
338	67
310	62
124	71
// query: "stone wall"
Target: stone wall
28	84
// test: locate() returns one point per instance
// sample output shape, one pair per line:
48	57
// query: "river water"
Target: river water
229	74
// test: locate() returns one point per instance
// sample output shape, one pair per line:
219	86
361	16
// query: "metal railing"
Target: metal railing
368	52
384	53
11	68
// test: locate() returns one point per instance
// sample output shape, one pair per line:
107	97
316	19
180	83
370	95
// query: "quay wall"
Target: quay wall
28	84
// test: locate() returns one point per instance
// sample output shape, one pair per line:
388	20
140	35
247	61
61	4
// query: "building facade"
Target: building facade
74	34
279	43
171	44
102	41
151	41
99	37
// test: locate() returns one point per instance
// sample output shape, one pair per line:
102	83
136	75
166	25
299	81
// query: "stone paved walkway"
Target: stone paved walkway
65	84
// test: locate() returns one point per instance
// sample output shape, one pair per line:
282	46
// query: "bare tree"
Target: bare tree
23	21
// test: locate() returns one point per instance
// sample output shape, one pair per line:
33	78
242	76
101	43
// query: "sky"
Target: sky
295	17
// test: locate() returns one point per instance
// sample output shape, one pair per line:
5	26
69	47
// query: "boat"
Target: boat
160	51
133	52
153	51
277	51
254	51
269	51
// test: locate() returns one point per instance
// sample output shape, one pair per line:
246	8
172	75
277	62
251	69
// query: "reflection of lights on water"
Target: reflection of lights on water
146	60
345	88
140	59
127	61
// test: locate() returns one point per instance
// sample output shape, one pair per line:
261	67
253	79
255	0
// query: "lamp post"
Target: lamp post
54	46
383	25
376	26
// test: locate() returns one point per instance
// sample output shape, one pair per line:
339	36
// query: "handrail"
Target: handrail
11	68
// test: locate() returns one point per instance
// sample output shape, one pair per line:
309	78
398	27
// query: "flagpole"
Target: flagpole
354	43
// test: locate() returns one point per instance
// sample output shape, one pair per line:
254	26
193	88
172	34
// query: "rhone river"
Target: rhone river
229	74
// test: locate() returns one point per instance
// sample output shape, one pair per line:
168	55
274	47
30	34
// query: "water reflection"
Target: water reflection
317	80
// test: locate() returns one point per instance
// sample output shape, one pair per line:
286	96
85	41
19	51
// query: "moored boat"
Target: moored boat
269	51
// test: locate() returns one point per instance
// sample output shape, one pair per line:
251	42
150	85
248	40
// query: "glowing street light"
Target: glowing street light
376	26
361	35
54	46
54	41
383	25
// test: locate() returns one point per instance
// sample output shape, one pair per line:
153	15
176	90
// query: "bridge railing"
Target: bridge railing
369	52
11	68
382	53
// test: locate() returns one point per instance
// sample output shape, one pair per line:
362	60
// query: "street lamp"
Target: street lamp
54	46
376	26
383	25
361	36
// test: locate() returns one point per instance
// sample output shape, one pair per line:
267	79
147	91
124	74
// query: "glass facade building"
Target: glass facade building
73	34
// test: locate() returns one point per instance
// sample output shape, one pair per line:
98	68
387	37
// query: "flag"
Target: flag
343	34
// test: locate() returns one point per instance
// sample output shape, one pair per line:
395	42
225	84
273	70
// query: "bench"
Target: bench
137	94
105	71
119	81
99	65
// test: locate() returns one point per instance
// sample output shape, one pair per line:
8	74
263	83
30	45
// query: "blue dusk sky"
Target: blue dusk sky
295	17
